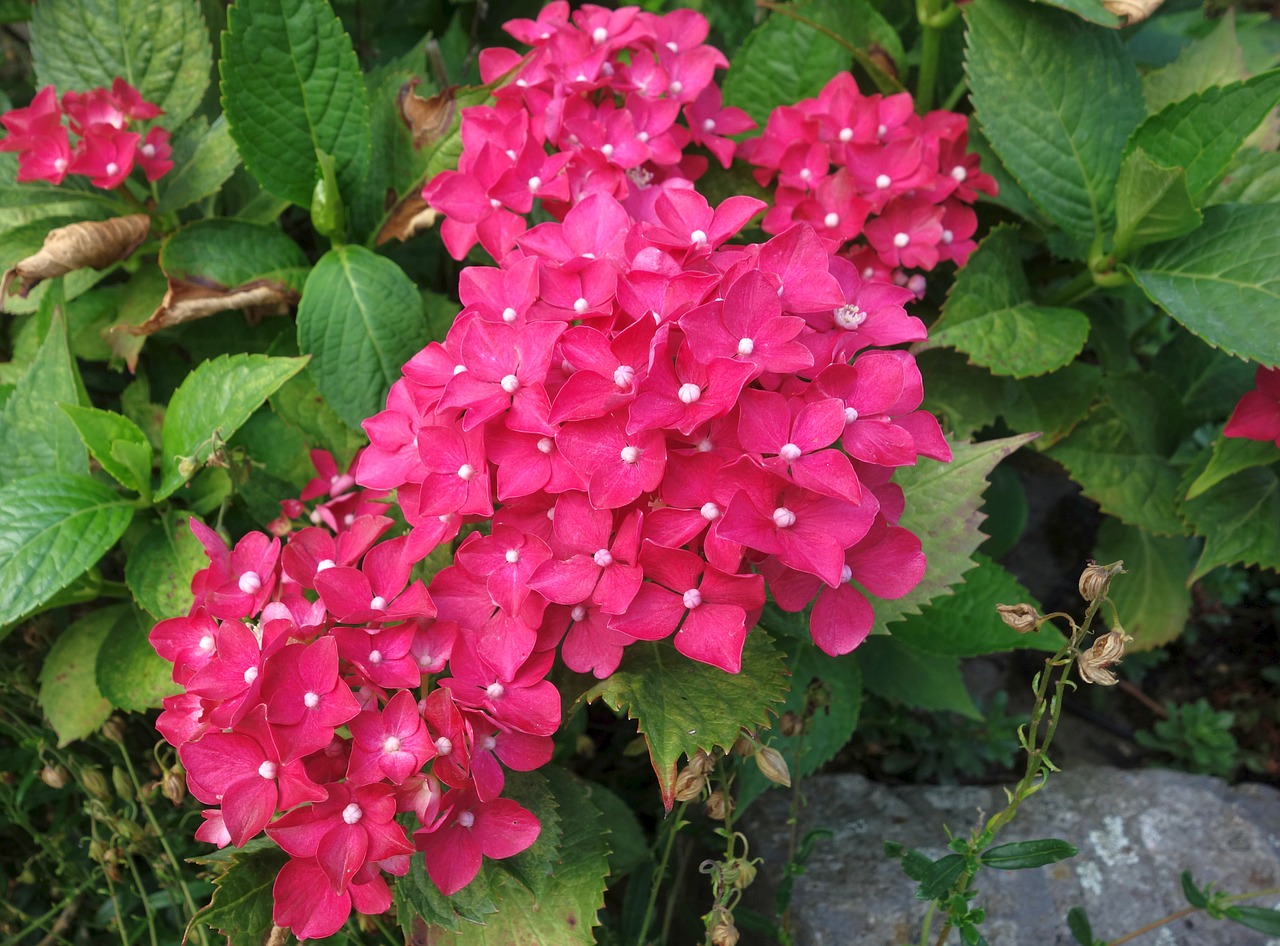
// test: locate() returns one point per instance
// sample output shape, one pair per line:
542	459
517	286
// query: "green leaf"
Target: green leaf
1023	855
160	567
1239	520
1057	99
225	254
1208	382
1253	178
276	448
1216	59
1010	195
103	432
35	436
781	62
826	693
967	625
566	911
628	843
1202	133
1256	918
896	671
129	671
361	319
420	905
915	865
160	47
1195	896
943	513
210	405
1091	10
1222	281
683	706
1120	455
53	528
1052	404
203	160
965	396
242	902
1152	203
292	87
21	204
1081	928
941	877
860	24
1152	596
301	405
1230	455
532	867
990	317
396	167
69	692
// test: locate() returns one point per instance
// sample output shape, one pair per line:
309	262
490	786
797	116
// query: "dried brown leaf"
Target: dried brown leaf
91	243
409	217
188	300
1133	11
428	119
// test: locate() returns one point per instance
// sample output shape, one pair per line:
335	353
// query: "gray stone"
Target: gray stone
1136	832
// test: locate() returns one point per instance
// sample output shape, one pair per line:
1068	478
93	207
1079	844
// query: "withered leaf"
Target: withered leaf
428	119
190	299
1133	11
410	216
92	243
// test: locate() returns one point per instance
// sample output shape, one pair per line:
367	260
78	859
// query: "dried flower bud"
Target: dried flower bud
720	924
113	729
738	873
1023	618
745	747
174	786
187	466
95	783
773	766
718	805
55	776
1105	652
790	724
1095	579
689	783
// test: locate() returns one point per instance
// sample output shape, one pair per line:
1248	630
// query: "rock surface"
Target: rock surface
1136	832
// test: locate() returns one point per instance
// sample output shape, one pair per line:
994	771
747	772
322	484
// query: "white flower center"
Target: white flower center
846	574
947	236
268	769
789	452
495	203
676	87
545	444
708	124
710	512
958	173
578	612
375	657
882	130
698	237
689	392
443	746
466	819
846	134
112	168
324	565
148	150
60	165
831	220
607	150
378	603
850	415
509	315
805	174
630	454
466	472
705	445
392	744
311	699
535	182
250	675
603	558
849	316
746	346
642	137
512	556
207	644
458	369
599	34
510	384
352	813
783	517
494	691
900	240
692	598
249	583
883	181
624	375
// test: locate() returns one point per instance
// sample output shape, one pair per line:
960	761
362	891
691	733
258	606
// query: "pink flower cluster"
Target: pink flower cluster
302	668
1257	416
106	150
856	166
593	108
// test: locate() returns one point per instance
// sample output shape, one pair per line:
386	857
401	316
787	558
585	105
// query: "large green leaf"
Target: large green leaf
1202	133
1230	455
990	317
1222	281
942	510
36	437
116	442
361	319
683	706
292	87
27	203
781	62
564	913
300	404
1092	10
53	528
160	47
897	671
1253	178
1208	382
826	695
1152	203
1120	455
966	397
1152	596
1216	59
210	405
242	901
967	625
1057	99
396	167
1239	520
160	567
222	253
423	911
1052	404
129	671
533	866
204	158
69	692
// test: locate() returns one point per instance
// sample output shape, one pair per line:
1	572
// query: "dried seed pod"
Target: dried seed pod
1105	652
95	783
738	873
720	925
790	724
773	766
745	746
1095	579
1023	618
689	783
55	776
718	805
113	729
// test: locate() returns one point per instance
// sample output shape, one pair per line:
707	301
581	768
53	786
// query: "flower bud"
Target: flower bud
718	805
773	766
55	776
122	783
1023	618
738	873
745	747
1105	652
1095	579
720	925
692	778
95	783
790	724
113	729
174	786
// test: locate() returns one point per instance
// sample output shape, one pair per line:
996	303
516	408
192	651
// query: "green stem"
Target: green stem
142	895
1080	286
671	827
111	889
930	47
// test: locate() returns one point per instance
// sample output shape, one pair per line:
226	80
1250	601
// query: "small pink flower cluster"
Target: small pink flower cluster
282	648
106	150
851	166
603	94
1257	416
